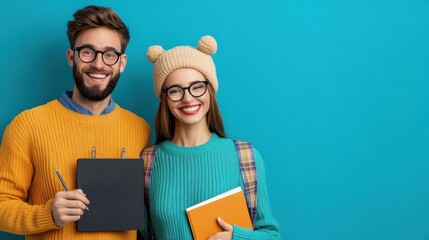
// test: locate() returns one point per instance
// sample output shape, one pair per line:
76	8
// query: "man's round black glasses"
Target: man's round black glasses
196	89
88	55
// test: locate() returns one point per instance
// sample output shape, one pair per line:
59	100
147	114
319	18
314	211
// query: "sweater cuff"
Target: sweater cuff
241	233
44	218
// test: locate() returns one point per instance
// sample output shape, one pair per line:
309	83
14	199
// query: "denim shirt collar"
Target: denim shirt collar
67	102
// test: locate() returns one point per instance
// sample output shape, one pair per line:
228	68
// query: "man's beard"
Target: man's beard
93	93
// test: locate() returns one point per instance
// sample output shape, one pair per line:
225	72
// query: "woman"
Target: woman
194	159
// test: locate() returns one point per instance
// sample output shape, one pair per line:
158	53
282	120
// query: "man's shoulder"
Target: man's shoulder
40	109
128	113
130	116
28	118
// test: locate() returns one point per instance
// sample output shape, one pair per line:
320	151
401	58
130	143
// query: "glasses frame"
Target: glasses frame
96	54
184	90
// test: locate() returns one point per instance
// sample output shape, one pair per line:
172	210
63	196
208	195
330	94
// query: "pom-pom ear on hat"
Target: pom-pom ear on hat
197	58
153	52
207	45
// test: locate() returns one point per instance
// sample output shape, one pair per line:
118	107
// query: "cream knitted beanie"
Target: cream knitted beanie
197	58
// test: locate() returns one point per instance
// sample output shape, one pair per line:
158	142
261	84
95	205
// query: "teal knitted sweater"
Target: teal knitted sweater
184	176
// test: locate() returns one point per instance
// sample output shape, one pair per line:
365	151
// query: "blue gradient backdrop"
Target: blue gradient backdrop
334	94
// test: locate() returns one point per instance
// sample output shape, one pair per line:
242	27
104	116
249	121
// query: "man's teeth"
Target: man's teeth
97	75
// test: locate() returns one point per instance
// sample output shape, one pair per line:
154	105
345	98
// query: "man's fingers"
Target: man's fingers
71	211
76	194
68	206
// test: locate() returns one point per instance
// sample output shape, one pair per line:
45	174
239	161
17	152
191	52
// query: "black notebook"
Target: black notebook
114	188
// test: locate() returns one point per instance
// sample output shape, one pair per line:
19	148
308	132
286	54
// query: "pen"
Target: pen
64	184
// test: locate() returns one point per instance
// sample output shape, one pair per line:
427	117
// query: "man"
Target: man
53	136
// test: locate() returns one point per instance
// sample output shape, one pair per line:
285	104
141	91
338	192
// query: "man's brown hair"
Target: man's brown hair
95	17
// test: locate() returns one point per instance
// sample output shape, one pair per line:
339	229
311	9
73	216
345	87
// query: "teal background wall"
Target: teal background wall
334	94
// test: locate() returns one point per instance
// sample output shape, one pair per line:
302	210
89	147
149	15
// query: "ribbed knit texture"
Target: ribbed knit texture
184	176
48	137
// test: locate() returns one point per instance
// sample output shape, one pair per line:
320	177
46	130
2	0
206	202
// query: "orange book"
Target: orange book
230	206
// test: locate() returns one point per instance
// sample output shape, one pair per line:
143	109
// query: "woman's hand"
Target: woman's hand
226	234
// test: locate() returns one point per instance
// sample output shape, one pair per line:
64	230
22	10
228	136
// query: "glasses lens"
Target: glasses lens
198	89
110	57
87	54
175	93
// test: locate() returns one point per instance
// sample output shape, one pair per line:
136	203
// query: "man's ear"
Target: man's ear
123	62
70	56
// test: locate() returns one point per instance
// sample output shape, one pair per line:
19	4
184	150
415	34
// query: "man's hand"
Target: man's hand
226	234
68	206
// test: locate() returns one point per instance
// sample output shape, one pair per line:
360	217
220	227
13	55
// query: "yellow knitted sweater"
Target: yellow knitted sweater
50	136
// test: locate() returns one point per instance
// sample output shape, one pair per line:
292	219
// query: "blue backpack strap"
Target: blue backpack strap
148	156
248	172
